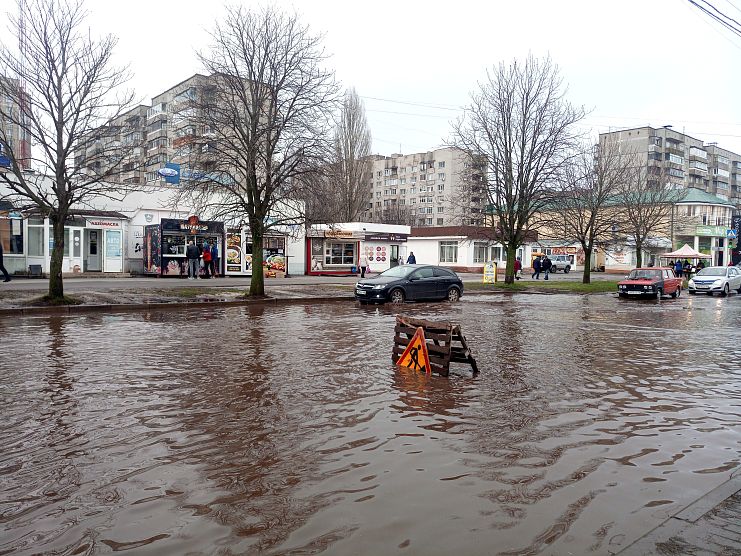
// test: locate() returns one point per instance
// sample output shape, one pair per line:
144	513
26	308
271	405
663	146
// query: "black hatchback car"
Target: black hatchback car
410	282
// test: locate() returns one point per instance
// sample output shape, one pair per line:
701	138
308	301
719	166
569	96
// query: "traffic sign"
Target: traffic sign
415	355
731	234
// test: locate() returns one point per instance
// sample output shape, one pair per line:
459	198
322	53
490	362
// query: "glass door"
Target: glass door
113	259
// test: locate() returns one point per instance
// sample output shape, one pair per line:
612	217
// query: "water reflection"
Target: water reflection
287	430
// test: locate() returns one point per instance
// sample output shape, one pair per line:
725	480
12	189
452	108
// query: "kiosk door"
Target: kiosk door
93	261
113	251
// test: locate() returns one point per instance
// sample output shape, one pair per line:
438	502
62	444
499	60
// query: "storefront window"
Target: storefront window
479	252
66	241
11	234
448	251
35	240
339	254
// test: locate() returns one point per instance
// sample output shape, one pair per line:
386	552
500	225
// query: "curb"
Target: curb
674	525
113	308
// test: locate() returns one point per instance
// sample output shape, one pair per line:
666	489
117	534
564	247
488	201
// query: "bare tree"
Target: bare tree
647	200
351	167
520	123
61	91
269	115
398	214
586	207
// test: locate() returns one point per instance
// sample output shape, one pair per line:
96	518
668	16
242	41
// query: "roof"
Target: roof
84	213
687	252
693	195
486	233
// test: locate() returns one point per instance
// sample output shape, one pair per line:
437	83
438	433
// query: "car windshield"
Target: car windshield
397	272
712	271
642	274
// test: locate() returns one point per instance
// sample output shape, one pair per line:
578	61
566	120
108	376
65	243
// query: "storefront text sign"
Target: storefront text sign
393	238
711	231
102	224
338	234
193	225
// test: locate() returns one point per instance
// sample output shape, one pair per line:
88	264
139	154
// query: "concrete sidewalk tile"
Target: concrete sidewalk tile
700	507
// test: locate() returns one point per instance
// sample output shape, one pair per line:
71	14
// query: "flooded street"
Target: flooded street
287	430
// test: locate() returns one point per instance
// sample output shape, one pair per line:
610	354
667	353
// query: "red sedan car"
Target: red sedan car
650	282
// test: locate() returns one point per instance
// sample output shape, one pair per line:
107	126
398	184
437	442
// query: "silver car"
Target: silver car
716	279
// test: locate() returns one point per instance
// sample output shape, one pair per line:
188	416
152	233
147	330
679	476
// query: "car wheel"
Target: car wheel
554	269
726	290
566	270
454	295
739	290
693	292
676	293
396	296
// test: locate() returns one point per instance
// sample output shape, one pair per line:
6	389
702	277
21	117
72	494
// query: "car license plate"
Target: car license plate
635	293
701	287
359	292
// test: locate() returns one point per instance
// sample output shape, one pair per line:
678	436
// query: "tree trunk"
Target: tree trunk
56	285
639	254
257	283
587	276
509	273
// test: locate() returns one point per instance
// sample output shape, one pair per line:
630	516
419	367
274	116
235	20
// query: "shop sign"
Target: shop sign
193	225
338	234
393	238
710	231
102	223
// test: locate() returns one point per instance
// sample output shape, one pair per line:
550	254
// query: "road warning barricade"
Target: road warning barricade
443	343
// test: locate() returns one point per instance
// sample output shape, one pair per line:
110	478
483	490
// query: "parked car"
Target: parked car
560	262
716	279
410	282
650	282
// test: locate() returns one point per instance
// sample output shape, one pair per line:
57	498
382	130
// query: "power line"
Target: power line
450	107
726	21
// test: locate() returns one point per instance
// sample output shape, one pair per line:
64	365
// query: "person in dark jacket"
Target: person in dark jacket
411	259
518	268
536	268
2	266
193	255
678	268
546	266
215	259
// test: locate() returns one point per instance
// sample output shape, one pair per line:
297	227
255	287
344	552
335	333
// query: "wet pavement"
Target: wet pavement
286	430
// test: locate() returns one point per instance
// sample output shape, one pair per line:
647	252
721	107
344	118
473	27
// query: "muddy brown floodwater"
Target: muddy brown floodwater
286	430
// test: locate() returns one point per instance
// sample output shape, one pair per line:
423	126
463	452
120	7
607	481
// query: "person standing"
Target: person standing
193	256
363	265
206	259
518	268
2	266
546	266
536	268
215	269
411	259
678	268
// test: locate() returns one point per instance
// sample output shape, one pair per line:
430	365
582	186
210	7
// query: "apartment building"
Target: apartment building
13	138
683	161
118	145
436	188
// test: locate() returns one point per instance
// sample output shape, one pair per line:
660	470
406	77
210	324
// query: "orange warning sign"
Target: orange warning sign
415	355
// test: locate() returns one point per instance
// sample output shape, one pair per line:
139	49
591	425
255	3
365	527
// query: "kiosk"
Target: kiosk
165	243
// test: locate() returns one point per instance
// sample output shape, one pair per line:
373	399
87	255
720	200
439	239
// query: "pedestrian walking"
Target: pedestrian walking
206	250
363	265
546	266
678	268
536	268
411	259
2	266
215	269
193	256
518	268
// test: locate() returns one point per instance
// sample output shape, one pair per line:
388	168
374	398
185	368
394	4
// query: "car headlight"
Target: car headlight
379	286
718	282
691	283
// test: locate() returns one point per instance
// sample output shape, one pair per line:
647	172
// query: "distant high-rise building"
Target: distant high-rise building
13	137
684	161
436	188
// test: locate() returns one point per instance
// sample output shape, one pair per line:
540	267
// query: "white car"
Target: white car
716	279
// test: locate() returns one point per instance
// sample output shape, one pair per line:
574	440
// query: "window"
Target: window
378	174
441	164
387	172
414	168
412	201
385	202
339	253
412	190
676	159
439	221
403	191
385	191
441	187
430	188
429	221
441	176
440	209
402	201
378	194
428	210
403	181
393	191
422	177
480	250
422	166
722	159
11	234
393	181
448	251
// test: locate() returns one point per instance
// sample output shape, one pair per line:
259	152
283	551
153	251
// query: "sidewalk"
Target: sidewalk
709	526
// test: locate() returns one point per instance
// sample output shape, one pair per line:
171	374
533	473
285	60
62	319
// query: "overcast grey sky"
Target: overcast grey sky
414	62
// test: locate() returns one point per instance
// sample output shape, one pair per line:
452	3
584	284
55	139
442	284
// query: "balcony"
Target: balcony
154	116
675	148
